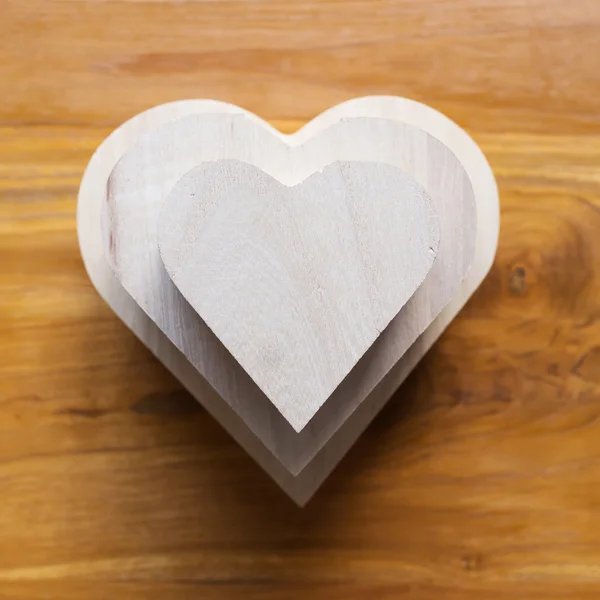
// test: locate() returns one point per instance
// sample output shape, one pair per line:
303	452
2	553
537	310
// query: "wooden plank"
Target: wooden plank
480	478
489	65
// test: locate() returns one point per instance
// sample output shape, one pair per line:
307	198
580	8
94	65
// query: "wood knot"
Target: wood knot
472	561
517	283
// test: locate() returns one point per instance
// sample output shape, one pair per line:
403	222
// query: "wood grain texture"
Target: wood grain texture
491	65
481	479
372	128
298	282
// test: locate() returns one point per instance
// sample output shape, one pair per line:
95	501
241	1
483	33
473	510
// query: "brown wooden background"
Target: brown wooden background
481	479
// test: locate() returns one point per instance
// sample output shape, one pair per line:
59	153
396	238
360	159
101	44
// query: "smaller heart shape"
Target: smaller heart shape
298	282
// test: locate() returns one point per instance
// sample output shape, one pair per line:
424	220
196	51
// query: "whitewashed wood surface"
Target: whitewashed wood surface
297	282
327	438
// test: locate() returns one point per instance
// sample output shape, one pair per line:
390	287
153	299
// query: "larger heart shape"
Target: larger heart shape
149	169
337	425
298	282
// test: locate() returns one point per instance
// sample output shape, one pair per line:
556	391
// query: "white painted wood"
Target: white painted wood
142	179
297	282
338	439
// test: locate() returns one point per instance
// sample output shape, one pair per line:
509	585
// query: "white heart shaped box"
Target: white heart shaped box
286	306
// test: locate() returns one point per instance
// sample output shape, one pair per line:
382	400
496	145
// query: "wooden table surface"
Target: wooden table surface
481	478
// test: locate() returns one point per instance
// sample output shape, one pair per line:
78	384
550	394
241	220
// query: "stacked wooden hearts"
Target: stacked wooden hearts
290	282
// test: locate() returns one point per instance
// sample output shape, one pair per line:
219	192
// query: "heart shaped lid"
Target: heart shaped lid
298	282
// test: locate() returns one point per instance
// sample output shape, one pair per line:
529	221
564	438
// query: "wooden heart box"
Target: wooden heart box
290	282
